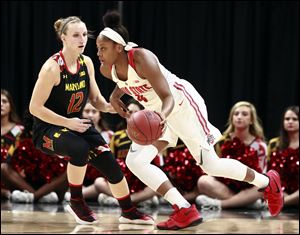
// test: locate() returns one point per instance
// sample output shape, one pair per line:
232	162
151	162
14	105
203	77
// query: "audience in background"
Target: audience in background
11	129
283	155
242	140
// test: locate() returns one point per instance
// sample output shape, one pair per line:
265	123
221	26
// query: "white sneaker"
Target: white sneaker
162	201
207	202
106	200
155	201
49	198
67	196
257	205
22	197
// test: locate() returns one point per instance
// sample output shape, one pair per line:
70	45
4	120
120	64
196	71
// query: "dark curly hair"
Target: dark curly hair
112	19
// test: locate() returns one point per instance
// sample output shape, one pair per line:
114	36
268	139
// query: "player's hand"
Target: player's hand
163	122
79	125
120	107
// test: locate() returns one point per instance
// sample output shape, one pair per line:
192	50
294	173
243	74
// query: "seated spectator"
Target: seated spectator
243	140
32	175
283	155
11	129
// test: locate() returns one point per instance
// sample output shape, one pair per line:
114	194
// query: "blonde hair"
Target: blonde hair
255	127
61	25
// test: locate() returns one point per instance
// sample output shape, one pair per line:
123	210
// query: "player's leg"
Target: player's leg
103	160
67	143
200	136
139	161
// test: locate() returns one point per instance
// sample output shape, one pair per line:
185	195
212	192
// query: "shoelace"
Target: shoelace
174	213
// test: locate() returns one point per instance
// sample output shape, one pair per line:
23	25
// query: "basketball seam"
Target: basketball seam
139	130
149	126
158	129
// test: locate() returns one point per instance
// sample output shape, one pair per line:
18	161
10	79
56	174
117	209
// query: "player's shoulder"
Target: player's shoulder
86	58
142	52
50	66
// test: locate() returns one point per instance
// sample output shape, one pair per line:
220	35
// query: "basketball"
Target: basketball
143	127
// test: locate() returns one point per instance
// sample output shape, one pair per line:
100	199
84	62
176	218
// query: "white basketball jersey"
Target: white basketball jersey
188	119
141	89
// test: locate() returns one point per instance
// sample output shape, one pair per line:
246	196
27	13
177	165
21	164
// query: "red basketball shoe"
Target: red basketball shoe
181	218
273	193
81	212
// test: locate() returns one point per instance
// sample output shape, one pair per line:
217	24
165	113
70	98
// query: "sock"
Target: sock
260	180
125	203
76	191
174	197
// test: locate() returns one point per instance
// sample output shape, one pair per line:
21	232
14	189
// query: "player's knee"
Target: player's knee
210	162
208	169
79	154
116	176
132	163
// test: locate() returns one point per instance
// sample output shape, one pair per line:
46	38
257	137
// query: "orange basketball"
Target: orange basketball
143	127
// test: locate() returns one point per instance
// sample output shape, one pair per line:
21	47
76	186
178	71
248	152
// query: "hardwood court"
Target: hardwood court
51	219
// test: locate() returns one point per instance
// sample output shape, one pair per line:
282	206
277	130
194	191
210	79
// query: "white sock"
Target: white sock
174	197
260	180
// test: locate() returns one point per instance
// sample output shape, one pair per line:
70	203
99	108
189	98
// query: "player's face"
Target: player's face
106	51
75	38
291	121
5	106
90	112
241	118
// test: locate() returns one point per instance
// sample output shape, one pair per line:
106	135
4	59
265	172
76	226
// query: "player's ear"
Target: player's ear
119	48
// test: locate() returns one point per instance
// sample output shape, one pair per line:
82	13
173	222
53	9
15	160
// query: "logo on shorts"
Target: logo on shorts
48	144
210	139
200	158
131	150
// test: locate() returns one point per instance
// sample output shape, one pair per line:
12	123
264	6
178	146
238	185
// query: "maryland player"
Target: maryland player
66	81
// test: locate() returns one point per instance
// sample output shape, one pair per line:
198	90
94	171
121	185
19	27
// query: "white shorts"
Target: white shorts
189	121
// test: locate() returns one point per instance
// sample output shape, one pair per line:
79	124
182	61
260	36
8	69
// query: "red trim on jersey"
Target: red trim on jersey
130	57
56	57
195	107
66	67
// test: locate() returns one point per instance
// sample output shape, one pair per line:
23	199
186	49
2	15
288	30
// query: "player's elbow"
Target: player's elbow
33	108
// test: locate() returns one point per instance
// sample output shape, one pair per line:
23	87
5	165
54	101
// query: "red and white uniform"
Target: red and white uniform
188	120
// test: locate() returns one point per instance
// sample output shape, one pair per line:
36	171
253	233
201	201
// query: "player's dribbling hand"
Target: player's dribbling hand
79	125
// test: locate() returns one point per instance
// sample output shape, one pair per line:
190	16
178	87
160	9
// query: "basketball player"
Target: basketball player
138	73
65	82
